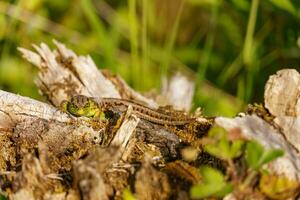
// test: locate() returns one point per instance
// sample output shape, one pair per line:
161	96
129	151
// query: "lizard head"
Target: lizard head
80	105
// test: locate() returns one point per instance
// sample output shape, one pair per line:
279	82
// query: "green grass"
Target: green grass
170	41
231	46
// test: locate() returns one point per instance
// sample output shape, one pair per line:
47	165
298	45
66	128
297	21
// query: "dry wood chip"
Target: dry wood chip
282	98
178	91
282	93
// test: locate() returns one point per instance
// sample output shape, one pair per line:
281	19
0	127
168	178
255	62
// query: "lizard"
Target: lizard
109	108
81	105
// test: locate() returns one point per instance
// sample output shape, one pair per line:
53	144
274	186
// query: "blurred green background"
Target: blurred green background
229	47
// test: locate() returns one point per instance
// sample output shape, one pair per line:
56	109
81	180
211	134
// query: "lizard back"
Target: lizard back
142	111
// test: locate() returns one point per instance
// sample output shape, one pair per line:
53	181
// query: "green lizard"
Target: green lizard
80	105
113	111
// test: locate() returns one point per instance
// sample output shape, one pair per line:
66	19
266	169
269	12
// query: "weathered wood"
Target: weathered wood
178	91
67	157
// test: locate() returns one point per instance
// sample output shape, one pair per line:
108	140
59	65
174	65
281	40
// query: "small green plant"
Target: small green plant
256	155
242	181
221	147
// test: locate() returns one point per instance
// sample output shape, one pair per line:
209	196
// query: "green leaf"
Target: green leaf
285	5
257	156
213	150
217	132
254	150
211	175
225	149
219	150
270	155
226	189
236	148
213	184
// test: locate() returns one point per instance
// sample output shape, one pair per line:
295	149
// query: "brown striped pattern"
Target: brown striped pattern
139	110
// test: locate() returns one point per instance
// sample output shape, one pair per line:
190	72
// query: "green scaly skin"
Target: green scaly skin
89	109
